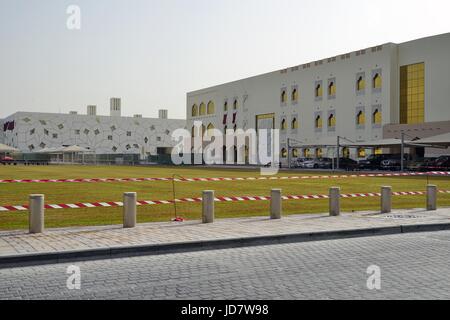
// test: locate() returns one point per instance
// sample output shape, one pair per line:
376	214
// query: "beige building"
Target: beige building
362	96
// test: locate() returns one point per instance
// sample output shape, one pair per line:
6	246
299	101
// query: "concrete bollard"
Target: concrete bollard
386	199
275	204
129	209
208	206
431	197
335	205
36	213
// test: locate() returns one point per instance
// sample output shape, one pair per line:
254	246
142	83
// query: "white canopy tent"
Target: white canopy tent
75	148
314	143
7	149
339	142
75	151
50	150
60	152
4	149
442	140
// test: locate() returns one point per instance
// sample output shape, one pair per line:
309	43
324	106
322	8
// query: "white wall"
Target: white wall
263	96
157	131
263	92
435	53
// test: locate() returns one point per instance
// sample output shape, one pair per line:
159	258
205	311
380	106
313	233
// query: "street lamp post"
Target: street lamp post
337	151
402	151
289	153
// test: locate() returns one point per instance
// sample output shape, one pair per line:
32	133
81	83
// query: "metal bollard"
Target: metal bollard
275	204
431	197
335	206
36	213
386	199
129	209
208	206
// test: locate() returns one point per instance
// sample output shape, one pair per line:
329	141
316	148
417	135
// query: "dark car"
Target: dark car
438	164
394	163
347	164
420	164
373	162
344	164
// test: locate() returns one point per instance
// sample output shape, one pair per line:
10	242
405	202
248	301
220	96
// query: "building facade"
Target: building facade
34	131
357	96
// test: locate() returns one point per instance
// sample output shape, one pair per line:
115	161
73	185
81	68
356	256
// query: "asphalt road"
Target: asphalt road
412	266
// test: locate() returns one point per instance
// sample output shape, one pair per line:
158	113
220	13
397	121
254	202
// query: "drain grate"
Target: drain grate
401	216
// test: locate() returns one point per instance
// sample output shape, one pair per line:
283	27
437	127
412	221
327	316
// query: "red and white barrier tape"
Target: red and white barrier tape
94	180
217	199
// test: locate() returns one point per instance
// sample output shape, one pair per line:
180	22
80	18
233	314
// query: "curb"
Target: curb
183	247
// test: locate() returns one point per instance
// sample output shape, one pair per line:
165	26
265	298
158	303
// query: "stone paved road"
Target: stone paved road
412	266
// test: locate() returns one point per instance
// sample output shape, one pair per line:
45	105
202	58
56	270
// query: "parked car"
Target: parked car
310	164
373	162
344	164
301	162
394	162
440	163
420	164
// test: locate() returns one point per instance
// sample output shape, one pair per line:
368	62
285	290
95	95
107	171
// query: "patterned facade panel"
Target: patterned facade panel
101	134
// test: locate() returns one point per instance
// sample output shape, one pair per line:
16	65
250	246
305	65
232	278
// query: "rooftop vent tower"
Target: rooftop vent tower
115	106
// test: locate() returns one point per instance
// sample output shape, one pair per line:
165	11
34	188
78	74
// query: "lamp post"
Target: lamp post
289	153
402	152
337	151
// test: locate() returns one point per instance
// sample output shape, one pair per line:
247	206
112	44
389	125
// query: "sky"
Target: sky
152	52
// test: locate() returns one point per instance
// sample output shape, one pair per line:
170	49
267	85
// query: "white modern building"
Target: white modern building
368	95
33	131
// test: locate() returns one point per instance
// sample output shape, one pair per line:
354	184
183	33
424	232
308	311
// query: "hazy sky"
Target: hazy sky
151	52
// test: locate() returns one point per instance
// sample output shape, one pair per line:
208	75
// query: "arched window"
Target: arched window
360	84
211	108
376	117
319	91
283	96
331	121
294	95
194	110
235	104
295	153
377	81
202	110
306	153
332	89
361	118
346	152
209	130
361	153
294	123
319	153
225	106
283	124
318	122
284	153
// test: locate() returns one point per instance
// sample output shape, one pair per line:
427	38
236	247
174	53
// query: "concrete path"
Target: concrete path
20	243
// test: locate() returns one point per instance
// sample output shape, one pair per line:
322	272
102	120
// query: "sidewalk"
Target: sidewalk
56	245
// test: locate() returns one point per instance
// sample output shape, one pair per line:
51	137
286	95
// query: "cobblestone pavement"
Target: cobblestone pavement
57	240
412	266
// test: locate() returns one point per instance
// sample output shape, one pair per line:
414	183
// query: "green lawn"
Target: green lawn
16	194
